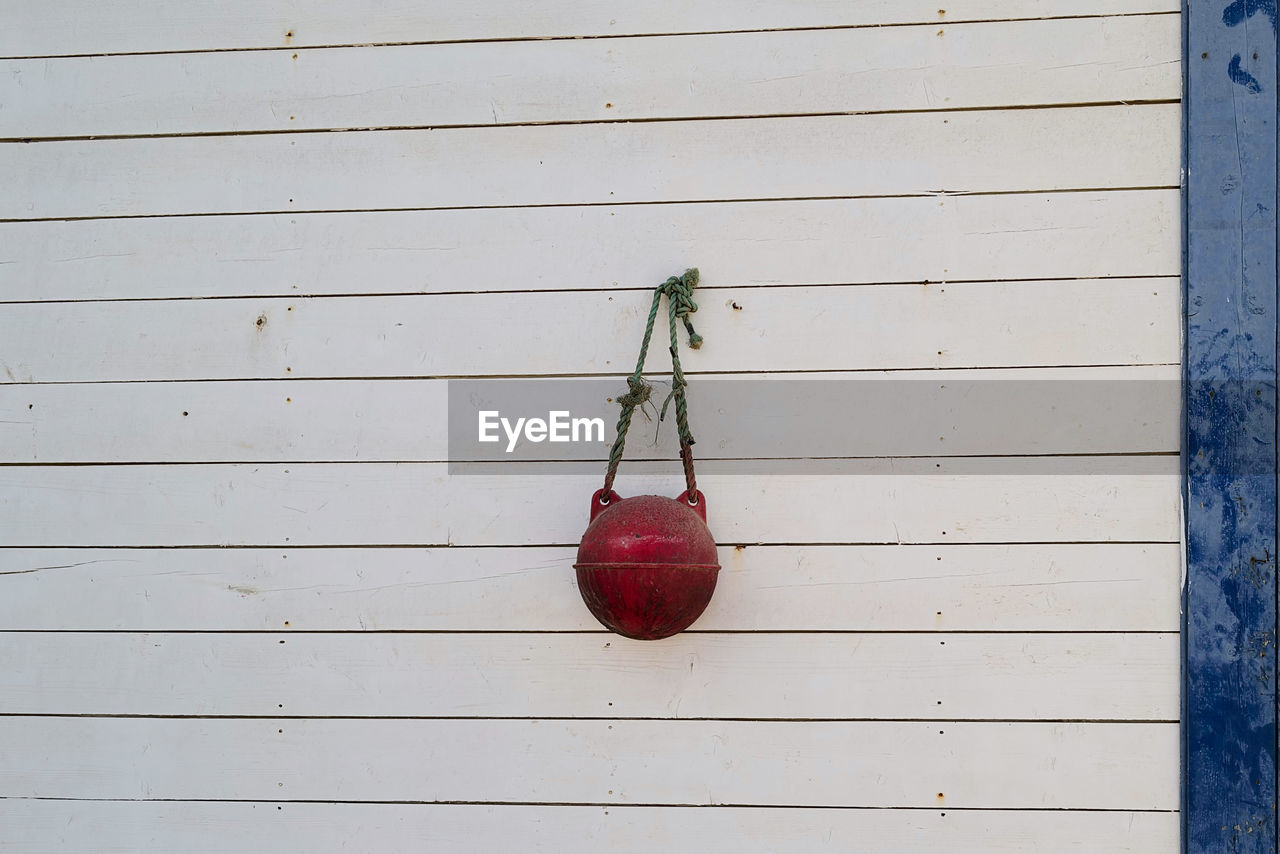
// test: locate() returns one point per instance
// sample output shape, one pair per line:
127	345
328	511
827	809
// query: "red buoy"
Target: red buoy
647	565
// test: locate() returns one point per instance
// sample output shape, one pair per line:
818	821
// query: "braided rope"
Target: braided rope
680	304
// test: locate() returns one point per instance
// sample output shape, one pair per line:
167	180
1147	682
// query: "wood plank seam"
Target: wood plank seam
290	46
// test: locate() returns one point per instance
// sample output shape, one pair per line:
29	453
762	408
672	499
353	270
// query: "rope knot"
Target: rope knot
679	291
638	395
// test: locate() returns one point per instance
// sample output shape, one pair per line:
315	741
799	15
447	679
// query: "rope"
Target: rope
680	304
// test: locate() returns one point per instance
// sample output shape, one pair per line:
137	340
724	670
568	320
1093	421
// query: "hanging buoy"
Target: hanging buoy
647	565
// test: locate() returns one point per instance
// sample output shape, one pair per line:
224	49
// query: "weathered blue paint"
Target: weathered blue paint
1241	77
1240	12
1230	484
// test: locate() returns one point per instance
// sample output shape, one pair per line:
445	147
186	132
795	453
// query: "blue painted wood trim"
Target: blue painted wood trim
1230	475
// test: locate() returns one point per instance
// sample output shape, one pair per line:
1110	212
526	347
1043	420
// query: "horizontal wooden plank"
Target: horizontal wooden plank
867	155
1078	235
36	827
1072	61
758	676
1015	765
78	27
983	324
1082	587
891	501
363	420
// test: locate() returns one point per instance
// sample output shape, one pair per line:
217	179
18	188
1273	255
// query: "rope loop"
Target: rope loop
680	304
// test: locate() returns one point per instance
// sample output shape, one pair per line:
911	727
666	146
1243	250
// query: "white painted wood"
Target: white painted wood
995	64
1061	587
760	676
1074	235
1049	596
33	827
893	501
867	155
364	421
1075	322
1123	766
74	26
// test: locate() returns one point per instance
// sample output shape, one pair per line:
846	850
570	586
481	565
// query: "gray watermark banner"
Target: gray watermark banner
822	426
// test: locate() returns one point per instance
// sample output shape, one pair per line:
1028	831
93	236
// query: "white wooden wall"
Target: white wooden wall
244	606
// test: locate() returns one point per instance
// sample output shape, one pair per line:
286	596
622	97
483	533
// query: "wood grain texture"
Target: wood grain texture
76	27
1124	766
1078	322
868	155
943	676
839	241
286	504
232	828
1070	61
1086	588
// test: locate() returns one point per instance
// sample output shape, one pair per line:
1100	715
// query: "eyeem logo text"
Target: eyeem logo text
558	426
